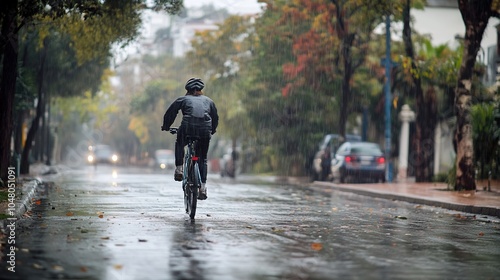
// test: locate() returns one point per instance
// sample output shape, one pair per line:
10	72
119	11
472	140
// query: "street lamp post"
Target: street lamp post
387	89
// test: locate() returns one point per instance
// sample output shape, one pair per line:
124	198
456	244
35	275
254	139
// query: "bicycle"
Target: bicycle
191	177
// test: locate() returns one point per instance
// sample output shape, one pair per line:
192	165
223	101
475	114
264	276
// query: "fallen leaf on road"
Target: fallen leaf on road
69	214
316	246
101	216
83	269
105	238
57	268
460	216
481	233
276	229
118	266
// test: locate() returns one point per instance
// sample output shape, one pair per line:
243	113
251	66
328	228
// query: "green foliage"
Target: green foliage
4	195
149	99
440	178
451	180
486	137
437	67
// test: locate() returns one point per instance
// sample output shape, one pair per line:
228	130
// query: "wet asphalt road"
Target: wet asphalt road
124	223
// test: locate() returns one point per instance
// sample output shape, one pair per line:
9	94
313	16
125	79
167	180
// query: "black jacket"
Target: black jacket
199	115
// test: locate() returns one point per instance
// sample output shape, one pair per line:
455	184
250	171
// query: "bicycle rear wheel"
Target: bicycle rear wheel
191	191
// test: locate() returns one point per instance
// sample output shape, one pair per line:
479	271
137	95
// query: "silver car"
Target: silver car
359	161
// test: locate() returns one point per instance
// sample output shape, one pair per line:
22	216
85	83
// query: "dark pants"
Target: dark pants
201	151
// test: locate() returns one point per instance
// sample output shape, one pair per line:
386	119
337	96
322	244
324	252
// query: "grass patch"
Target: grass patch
4	196
4	216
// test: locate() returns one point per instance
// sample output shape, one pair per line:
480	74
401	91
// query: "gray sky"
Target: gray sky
233	6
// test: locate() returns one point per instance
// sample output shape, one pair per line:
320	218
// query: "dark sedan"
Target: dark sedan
359	161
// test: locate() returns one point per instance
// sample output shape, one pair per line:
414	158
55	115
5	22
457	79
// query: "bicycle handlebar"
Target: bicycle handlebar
172	130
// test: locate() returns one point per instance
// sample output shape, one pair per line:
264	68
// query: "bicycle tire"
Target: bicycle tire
191	190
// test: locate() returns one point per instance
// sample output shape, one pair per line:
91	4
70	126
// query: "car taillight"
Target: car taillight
349	159
381	160
194	158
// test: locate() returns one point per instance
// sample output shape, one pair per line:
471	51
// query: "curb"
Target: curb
479	210
26	189
27	193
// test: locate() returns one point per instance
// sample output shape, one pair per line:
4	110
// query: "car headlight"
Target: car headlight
163	166
90	158
114	158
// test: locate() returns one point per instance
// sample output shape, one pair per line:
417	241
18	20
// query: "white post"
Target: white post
437	148
405	116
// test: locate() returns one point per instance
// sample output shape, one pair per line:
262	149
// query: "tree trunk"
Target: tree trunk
475	14
40	109
8	82
426	110
346	46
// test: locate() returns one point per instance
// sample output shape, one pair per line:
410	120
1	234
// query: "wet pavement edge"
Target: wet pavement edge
472	209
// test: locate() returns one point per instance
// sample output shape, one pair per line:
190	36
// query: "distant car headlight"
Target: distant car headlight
114	158
163	166
90	158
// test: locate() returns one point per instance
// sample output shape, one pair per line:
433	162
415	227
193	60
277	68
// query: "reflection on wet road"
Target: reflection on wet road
125	223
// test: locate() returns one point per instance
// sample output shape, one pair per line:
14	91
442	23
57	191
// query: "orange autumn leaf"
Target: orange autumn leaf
69	214
316	246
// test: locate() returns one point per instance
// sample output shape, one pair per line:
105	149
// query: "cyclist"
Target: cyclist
200	119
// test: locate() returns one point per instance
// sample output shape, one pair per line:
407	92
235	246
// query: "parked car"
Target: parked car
102	154
327	147
164	159
359	161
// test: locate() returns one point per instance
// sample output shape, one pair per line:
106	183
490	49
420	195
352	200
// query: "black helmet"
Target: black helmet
194	83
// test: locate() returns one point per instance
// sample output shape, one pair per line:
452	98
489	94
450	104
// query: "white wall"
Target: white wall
444	23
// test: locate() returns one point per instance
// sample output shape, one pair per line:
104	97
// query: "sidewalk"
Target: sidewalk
481	201
27	187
